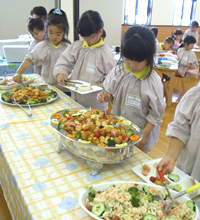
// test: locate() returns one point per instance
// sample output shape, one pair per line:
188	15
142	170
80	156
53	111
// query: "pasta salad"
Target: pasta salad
134	202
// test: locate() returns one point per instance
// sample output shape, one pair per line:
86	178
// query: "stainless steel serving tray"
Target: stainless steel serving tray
94	154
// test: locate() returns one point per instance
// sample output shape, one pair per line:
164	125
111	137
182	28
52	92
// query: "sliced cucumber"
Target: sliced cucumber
173	177
146	189
150	217
60	125
191	205
98	209
76	114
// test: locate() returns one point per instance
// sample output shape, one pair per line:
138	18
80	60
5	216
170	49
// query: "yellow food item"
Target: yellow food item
84	142
121	145
127	123
55	121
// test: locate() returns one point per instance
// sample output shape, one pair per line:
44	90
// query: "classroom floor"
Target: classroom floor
158	151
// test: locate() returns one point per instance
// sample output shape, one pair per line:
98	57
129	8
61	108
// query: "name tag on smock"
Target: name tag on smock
185	59
90	68
133	100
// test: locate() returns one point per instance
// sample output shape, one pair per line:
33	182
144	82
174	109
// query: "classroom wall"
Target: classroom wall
14	15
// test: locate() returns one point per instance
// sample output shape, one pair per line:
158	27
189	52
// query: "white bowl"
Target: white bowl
103	186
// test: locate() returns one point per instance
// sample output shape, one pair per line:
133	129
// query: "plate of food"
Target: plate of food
81	87
7	83
89	126
36	96
133	200
177	180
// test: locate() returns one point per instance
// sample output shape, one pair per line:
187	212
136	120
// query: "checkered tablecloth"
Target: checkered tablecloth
39	183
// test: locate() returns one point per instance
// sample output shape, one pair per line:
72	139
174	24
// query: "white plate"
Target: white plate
103	186
31	76
94	88
185	180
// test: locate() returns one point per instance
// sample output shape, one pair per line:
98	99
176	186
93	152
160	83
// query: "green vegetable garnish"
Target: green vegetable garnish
111	142
78	135
130	132
135	202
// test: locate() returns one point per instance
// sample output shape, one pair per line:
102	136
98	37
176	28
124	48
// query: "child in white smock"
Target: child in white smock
184	131
135	88
192	31
48	51
91	60
165	46
187	59
36	28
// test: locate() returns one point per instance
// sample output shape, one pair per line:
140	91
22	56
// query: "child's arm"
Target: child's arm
23	67
61	79
146	131
168	162
102	97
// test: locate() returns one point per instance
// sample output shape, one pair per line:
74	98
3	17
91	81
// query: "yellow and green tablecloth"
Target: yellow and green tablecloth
39	183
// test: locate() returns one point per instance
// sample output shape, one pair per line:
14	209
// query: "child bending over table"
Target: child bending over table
48	51
165	46
184	145
91	60
135	88
187	59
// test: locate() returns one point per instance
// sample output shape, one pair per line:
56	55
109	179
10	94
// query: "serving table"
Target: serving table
39	183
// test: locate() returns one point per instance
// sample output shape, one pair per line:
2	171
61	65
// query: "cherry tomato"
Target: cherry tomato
89	208
152	179
123	136
98	192
136	184
97	134
115	218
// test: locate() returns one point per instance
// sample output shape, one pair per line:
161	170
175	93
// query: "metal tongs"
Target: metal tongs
108	101
24	84
29	114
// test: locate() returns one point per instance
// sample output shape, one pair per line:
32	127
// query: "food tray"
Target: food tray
38	104
184	182
94	88
103	186
96	156
31	77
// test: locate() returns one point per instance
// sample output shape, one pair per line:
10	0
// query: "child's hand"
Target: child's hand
167	165
188	66
61	79
101	97
17	77
95	84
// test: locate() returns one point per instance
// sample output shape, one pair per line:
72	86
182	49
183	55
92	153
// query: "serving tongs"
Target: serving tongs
29	114
25	85
69	84
108	100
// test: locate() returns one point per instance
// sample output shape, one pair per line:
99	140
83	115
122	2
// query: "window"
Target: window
184	12
137	12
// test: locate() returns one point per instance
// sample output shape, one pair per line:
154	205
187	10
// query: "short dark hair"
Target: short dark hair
178	32
155	31
189	40
138	44
36	23
195	24
169	40
104	34
89	23
39	11
58	17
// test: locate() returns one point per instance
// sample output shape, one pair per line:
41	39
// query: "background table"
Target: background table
37	182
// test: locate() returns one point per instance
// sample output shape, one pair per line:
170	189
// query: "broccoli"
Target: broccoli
111	142
65	112
91	194
135	202
133	191
148	197
78	135
130	132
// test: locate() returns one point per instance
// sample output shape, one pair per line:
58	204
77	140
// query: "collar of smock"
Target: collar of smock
140	74
53	45
185	49
161	47
100	43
